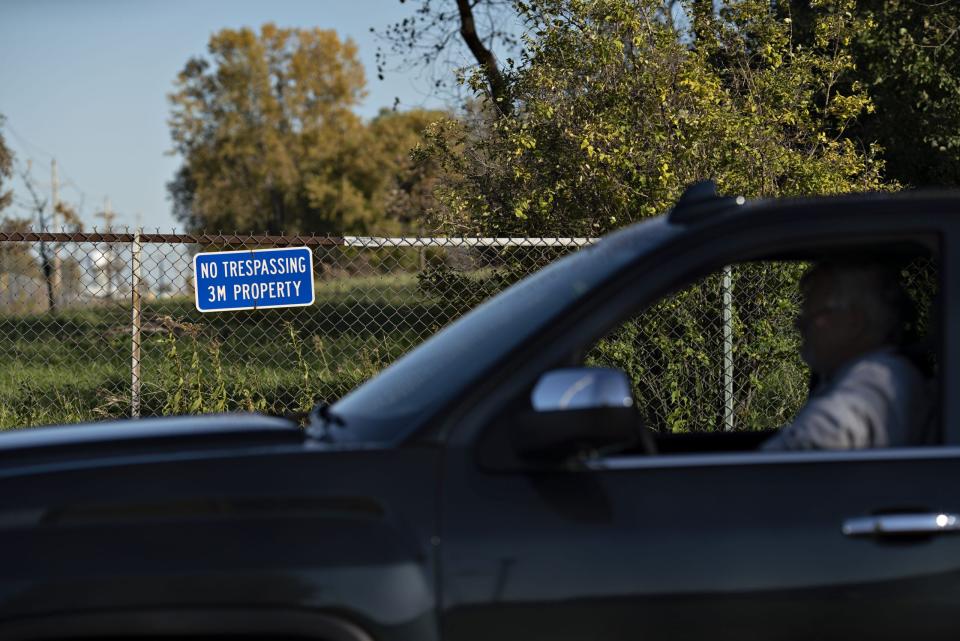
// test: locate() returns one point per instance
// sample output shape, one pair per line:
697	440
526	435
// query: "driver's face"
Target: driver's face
827	328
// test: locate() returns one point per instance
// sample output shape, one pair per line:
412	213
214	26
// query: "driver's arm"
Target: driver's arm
875	402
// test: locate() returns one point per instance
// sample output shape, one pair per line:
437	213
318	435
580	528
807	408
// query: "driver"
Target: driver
867	393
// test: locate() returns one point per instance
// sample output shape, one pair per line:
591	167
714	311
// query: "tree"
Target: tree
906	57
407	194
16	258
268	137
909	60
39	206
618	108
6	171
427	37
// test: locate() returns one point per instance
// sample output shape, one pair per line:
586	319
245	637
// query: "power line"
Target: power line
23	140
27	150
68	182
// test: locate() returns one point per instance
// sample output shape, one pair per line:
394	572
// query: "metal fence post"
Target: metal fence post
727	288
135	328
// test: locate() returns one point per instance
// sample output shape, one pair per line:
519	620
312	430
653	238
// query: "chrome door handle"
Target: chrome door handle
893	524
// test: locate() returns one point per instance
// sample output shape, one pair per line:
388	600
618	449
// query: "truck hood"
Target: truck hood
145	436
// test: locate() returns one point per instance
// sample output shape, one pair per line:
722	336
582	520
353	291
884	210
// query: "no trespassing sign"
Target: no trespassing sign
253	279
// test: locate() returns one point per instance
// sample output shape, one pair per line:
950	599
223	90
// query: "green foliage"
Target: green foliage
673	353
909	60
406	188
467	289
502	267
906	56
618	110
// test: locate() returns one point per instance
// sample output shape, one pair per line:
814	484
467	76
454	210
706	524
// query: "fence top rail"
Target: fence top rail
447	241
172	238
302	240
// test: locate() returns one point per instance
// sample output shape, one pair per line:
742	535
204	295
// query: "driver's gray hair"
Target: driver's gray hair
870	287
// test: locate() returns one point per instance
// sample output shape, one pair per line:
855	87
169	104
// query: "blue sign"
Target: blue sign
253	279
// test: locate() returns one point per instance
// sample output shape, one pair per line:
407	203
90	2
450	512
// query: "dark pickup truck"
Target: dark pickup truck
489	485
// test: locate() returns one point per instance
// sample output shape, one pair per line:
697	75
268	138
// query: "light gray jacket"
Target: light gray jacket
877	400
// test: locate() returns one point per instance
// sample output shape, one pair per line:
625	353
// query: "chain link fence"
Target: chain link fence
721	353
99	326
105	325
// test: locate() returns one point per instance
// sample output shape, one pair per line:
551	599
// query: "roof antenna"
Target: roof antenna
700	201
698	192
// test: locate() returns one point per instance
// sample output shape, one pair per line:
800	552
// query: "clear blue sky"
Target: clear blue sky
86	82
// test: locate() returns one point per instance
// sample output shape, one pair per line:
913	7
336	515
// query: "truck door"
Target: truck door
715	546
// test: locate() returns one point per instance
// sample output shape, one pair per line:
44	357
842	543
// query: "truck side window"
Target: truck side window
721	351
722	354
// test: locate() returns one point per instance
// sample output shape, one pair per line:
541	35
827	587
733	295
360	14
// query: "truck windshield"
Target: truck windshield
394	403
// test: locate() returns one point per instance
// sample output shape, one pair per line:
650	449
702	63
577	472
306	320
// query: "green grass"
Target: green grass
75	366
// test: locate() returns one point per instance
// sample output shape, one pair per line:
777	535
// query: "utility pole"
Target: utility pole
107	215
107	255
56	223
727	296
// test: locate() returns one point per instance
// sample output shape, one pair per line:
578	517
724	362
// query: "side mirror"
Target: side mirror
581	388
578	410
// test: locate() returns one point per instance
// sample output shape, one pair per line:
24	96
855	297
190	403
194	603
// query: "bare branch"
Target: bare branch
484	57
